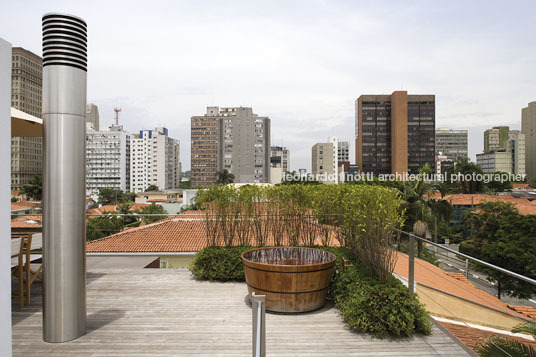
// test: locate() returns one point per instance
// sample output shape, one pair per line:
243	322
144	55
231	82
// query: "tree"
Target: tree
497	186
152	209
224	177
503	237
500	346
185	184
113	196
102	226
152	188
34	190
463	168
533	183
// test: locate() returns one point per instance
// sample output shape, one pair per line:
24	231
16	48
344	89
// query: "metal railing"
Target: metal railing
258	308
412	238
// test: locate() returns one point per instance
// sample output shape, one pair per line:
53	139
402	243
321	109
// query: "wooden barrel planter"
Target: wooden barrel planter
294	279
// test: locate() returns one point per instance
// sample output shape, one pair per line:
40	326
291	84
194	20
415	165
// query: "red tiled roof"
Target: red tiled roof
113	208
430	275
186	232
521	185
23	205
471	336
523	205
528	311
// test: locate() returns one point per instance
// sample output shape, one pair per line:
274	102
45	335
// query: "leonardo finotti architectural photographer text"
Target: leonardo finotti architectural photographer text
458	177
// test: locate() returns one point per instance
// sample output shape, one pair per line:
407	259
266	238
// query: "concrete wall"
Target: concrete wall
176	261
399	132
5	207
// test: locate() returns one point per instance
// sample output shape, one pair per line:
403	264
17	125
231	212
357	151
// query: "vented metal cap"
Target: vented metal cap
64	41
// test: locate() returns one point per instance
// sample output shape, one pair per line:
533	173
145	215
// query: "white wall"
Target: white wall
5	192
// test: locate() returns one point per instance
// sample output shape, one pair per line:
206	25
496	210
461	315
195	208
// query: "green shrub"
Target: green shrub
369	306
219	263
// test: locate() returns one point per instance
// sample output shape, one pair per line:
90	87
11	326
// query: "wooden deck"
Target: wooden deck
164	312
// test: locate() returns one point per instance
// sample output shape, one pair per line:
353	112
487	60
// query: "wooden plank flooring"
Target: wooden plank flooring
165	312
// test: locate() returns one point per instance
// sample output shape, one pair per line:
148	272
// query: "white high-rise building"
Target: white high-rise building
154	160
335	157
107	159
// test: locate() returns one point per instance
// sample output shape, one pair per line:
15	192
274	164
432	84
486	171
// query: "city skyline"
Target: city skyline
303	66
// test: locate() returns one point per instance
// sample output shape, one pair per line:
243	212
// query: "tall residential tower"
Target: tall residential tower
233	139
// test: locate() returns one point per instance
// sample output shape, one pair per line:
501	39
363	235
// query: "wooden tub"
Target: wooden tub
294	279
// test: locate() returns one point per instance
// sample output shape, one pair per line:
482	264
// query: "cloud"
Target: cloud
302	63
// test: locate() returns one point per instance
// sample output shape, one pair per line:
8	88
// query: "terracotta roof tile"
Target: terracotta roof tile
471	336
430	275
23	205
113	208
523	205
528	311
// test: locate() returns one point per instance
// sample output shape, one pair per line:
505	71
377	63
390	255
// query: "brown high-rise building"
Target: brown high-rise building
395	134
26	92
204	155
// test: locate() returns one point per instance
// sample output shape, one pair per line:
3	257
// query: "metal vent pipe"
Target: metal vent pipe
64	177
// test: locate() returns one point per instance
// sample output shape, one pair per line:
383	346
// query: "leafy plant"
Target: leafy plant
34	189
219	263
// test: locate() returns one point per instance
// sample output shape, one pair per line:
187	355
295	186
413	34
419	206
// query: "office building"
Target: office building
504	151
233	139
322	164
154	160
92	117
495	138
280	157
451	143
107	159
395	133
26	95
528	128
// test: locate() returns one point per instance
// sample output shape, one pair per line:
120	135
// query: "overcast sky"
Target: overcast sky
302	63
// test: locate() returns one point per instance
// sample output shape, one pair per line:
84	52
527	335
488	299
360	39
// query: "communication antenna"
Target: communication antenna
117	110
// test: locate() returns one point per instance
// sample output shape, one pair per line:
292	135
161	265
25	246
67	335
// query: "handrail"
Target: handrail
489	265
258	309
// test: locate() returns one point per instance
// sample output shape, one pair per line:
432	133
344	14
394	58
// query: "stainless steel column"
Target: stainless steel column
64	177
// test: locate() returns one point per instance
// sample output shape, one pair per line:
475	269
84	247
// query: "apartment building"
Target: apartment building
92	117
280	158
395	133
154	160
233	139
107	158
495	138
322	164
26	95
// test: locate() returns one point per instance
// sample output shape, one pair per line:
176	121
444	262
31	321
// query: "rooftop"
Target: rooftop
165	312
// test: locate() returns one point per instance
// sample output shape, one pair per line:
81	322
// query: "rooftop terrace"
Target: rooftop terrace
165	312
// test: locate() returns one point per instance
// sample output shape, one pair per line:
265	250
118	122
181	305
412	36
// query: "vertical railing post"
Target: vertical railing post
466	268
258	311
411	254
